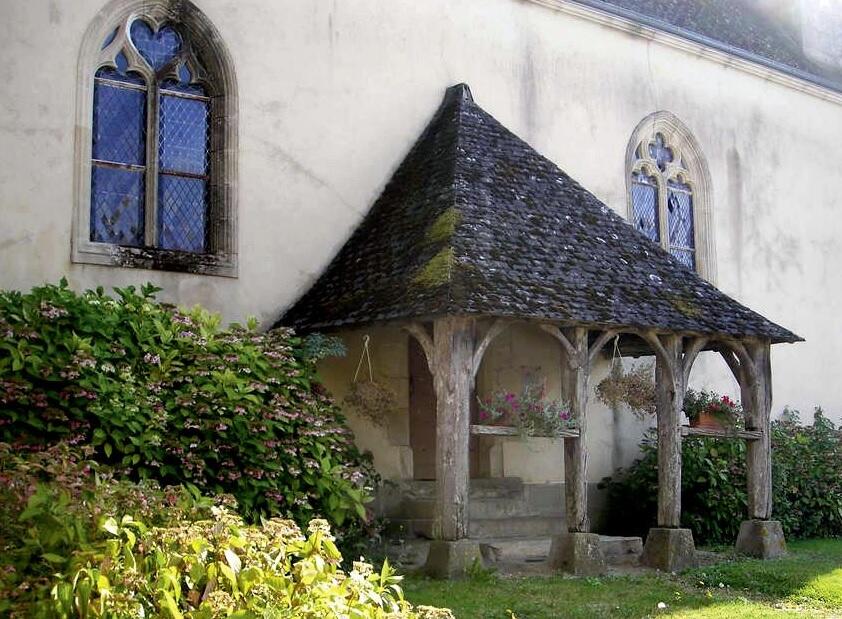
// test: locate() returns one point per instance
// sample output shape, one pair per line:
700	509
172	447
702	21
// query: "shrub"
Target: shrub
51	505
167	394
223	568
806	484
70	548
807	476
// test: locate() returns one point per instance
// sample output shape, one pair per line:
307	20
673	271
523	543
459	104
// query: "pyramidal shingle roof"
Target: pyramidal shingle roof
475	221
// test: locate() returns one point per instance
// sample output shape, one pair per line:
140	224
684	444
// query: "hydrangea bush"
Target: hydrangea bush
51	505
167	394
223	568
77	542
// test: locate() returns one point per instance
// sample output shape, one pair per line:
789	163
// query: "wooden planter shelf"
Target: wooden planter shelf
510	431
749	435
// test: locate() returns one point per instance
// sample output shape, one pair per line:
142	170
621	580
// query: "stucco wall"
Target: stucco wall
332	95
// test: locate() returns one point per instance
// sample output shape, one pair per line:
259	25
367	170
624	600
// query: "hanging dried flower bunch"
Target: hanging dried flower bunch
635	389
370	399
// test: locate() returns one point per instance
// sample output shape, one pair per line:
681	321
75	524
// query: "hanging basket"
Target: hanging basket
371	400
635	389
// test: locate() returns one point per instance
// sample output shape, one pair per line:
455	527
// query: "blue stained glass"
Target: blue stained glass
120	74
660	152
109	39
119	124
680	219
157	48
183	135
644	192
181	213
117	206
183	83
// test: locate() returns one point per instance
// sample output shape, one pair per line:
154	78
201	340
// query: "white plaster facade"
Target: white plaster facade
331	95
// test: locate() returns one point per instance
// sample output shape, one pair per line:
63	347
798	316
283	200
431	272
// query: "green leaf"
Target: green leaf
110	526
233	560
171	607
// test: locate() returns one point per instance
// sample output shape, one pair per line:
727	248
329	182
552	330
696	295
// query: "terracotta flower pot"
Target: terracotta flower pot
706	420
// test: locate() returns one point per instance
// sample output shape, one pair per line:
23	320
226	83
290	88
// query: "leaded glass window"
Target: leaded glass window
661	197
150	164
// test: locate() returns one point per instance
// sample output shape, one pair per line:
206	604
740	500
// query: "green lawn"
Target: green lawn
807	583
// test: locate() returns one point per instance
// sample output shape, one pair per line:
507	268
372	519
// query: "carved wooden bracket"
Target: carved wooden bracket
680	367
420	333
417	330
737	357
496	328
573	356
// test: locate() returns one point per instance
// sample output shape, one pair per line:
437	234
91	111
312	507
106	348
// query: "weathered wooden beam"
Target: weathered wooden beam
734	364
748	435
600	342
482	430
747	363
575	448
669	398
571	352
661	354
690	353
419	332
453	377
757	404
496	328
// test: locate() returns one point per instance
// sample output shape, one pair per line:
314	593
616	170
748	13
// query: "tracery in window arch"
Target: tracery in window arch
668	189
150	171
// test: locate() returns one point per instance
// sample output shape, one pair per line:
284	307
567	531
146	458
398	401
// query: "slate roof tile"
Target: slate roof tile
475	221
736	26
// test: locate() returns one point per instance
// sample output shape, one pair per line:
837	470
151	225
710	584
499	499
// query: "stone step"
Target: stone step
617	550
480	528
516	527
621	550
483	508
497	487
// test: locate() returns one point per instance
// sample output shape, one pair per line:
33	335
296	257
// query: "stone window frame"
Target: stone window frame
690	167
221	258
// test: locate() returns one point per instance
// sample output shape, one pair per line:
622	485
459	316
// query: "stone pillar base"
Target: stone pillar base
577	553
669	550
451	560
763	539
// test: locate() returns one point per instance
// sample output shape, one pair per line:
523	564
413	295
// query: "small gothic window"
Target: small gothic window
142	193
665	173
160	139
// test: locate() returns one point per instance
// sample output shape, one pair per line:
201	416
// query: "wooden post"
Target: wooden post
453	376
670	386
575	448
757	403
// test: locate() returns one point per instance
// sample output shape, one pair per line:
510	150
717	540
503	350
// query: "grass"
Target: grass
807	583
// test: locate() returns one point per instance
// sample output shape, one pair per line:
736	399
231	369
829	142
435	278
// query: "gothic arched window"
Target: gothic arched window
668	191
158	160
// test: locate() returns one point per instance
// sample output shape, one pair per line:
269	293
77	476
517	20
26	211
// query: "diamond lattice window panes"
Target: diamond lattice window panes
667	181
159	142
